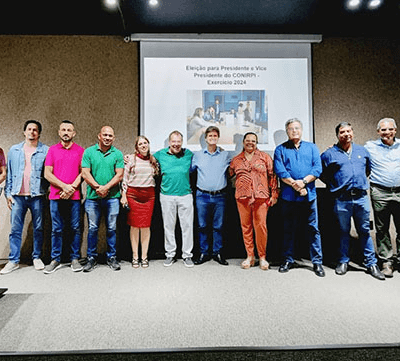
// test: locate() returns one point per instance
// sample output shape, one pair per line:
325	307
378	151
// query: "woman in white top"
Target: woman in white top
138	193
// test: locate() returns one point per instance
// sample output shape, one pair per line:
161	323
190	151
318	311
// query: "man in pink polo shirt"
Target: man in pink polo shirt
63	171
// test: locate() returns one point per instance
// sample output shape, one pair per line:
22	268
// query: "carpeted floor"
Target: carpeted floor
208	306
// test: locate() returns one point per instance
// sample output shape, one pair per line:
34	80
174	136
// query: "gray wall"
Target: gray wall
93	81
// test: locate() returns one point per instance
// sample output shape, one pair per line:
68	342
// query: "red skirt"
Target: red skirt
141	204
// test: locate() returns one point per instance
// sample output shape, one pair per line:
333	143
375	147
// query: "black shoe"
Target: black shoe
341	269
375	272
319	270
113	264
90	265
202	259
285	267
221	260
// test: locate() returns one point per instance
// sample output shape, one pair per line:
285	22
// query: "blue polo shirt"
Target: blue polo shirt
296	163
342	171
385	163
211	169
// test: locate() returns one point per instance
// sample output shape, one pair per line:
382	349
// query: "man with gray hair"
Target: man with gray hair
385	191
297	164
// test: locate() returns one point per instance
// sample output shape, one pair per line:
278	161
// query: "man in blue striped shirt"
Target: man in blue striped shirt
385	191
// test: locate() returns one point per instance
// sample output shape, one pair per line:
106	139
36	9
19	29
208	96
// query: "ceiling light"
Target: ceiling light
353	4
111	4
153	3
373	4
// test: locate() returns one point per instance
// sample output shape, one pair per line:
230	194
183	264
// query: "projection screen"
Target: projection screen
239	85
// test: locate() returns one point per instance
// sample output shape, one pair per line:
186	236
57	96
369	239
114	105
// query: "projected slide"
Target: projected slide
237	95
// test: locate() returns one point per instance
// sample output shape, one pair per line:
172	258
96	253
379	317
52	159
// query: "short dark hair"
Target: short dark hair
248	133
34	122
212	128
341	125
66	121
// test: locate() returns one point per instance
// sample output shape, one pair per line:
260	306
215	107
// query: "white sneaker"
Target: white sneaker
38	264
9	267
52	267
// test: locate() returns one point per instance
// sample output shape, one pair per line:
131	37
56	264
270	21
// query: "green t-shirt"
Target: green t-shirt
174	172
102	166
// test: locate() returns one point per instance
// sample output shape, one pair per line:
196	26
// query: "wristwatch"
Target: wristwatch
305	181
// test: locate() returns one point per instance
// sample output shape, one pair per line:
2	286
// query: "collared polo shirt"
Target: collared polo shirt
342	171
297	163
385	163
66	163
211	169
103	167
174	172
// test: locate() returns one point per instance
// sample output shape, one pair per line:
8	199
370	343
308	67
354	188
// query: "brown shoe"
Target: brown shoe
387	269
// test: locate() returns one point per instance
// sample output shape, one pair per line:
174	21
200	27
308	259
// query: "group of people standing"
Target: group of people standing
113	179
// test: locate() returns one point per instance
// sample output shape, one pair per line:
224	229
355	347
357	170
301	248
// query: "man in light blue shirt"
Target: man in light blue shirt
211	164
385	191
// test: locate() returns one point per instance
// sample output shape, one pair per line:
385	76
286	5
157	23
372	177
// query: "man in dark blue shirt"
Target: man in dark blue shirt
345	169
297	164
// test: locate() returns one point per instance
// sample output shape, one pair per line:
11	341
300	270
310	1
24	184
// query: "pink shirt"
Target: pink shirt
66	166
25	188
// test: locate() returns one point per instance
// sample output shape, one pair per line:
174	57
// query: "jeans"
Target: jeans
94	208
347	206
62	210
210	213
386	203
170	207
18	212
296	215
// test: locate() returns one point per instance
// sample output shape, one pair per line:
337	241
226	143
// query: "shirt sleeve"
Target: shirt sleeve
120	161
86	159
279	166
316	162
49	161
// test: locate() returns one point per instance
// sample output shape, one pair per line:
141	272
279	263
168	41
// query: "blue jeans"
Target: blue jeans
60	211
18	213
295	216
94	208
346	207
210	213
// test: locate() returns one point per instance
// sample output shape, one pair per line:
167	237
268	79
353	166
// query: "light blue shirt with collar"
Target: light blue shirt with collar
211	169
385	162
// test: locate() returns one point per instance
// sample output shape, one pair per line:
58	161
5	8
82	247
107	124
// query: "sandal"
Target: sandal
264	265
248	262
145	263
135	263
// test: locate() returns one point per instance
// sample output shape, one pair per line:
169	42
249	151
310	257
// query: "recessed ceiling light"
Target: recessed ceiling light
373	4
353	4
153	3
111	4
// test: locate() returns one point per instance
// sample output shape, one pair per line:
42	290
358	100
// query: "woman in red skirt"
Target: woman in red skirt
138	193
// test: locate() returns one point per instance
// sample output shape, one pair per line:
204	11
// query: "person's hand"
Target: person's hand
126	158
124	200
303	192
102	191
10	202
298	185
272	201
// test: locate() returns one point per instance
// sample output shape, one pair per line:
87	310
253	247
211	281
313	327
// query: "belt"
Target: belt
389	189
357	193
213	193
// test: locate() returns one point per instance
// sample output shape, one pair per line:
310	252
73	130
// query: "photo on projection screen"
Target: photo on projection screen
238	95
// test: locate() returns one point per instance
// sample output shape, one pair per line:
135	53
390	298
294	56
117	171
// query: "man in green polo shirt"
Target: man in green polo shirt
102	169
176	197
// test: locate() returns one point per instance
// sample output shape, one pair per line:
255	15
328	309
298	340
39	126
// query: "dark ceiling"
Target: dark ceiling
90	17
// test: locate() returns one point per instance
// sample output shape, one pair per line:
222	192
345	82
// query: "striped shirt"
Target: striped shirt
254	178
138	173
